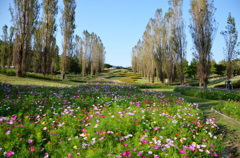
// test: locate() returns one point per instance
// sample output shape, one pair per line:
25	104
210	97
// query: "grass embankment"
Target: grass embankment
230	128
32	81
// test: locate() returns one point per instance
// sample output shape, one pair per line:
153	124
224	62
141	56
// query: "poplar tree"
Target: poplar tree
4	46
230	37
67	28
202	29
24	16
179	37
50	11
10	54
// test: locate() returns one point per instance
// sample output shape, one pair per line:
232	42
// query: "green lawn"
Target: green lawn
32	81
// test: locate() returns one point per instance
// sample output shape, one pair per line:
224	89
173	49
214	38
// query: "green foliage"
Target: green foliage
74	66
39	76
8	72
107	65
191	70
220	69
229	108
211	93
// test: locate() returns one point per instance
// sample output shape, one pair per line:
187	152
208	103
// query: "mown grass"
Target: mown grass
32	81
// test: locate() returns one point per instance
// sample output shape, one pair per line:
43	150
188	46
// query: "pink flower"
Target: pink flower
21	126
182	151
155	147
144	141
134	149
8	132
124	153
68	155
31	149
125	145
83	130
44	128
136	124
103	116
215	155
9	153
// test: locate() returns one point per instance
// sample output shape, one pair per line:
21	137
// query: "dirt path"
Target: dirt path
231	129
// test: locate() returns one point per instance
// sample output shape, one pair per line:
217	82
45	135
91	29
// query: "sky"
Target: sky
121	23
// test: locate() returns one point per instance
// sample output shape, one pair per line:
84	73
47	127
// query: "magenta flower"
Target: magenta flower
83	130
155	147
125	145
136	124
124	153
144	141
21	126
134	149
31	149
103	116
9	153
68	155
182	151
215	155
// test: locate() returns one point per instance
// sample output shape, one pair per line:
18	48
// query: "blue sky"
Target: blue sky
120	24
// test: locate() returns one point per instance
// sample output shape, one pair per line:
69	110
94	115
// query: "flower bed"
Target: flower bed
210	93
230	108
102	120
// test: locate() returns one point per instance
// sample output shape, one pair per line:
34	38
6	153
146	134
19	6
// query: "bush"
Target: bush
210	93
8	72
38	76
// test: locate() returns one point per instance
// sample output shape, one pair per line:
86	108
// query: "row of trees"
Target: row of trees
162	50
32	40
220	69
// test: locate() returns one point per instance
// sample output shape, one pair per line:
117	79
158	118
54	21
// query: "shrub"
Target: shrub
211	93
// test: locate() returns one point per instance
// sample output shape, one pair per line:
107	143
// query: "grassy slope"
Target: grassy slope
230	128
32	81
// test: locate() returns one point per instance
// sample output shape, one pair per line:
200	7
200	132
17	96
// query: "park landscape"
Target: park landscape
74	104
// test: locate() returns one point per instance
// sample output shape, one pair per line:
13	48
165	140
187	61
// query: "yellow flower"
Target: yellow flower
197	134
75	147
154	122
194	143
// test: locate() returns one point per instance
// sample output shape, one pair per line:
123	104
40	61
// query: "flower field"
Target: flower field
102	120
230	108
